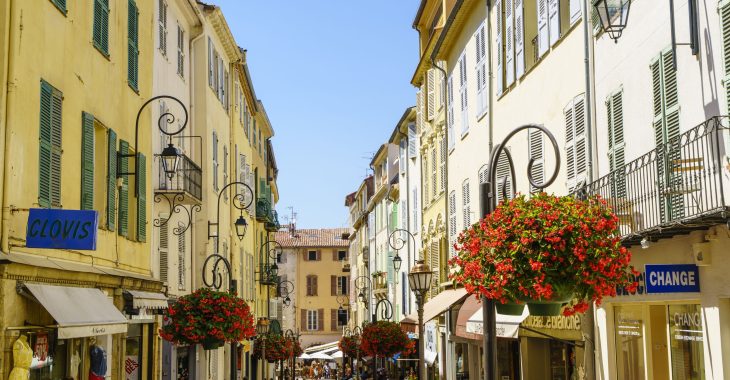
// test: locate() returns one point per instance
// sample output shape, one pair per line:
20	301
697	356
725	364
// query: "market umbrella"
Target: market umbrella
336	355
304	356
320	355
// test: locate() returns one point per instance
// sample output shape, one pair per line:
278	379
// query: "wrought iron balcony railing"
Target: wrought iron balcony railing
263	209
673	189
266	275
272	223
187	179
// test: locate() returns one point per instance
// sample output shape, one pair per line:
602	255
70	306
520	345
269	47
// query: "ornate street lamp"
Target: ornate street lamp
397	261
241	202
363	285
241	226
613	15
419	280
170	157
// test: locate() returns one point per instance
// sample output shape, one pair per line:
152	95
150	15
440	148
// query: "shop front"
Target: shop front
142	310
674	326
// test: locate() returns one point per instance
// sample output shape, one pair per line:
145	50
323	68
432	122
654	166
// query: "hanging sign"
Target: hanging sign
68	229
430	343
40	351
672	278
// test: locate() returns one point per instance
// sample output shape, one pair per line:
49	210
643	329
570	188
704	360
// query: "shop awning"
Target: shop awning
147	300
507	325
434	307
470	306
79	312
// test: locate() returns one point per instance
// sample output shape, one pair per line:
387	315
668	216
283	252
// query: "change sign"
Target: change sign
69	229
672	278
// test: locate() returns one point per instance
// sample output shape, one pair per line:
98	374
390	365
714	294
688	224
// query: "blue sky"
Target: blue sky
334	77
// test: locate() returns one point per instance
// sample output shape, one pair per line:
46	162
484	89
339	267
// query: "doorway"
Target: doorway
658	339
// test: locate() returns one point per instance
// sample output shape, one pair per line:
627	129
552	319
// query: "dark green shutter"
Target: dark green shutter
101	26
87	161
61	5
124	191
133	46
56	149
141	182
111	181
44	163
616	144
725	29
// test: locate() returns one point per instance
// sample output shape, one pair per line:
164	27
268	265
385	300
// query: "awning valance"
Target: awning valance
147	300
79	312
434	307
507	325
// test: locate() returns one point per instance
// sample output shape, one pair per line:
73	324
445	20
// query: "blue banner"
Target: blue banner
68	229
672	278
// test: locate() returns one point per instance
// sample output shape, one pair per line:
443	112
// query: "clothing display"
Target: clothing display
22	357
97	368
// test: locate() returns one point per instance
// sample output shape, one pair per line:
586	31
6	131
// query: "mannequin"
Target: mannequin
97	369
75	360
22	357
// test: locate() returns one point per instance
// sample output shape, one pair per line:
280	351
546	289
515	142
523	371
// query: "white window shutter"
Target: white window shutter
554	21
509	42
537	154
570	146
498	47
412	142
416	207
419	109
503	177
430	87
450	109
581	156
519	39
465	202
543	37
439	87
463	91
575	11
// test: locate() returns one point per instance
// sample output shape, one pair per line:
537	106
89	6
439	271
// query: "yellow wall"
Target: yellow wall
58	48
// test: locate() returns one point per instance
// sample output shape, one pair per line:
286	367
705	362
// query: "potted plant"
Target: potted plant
208	317
545	251
385	339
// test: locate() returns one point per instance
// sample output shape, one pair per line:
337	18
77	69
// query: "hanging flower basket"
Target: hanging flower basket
208	317
348	346
277	347
295	347
385	339
544	252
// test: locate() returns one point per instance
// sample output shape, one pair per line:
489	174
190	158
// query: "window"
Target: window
504	179
312	320
211	61
629	342
575	143
181	258
481	70
312	255
225	170
87	161
466	203
311	285
616	144
419	109
412	142
124	189
686	341
415	209
464	94
342	282
215	161
100	34
424	179
450	110
111	180
343	317
402	156
434	173
163	248
452	221
180	52
133	46
537	154
725	28
49	164
431	93
162	26
341	255
442	165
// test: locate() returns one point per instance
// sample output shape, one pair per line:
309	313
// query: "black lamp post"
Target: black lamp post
262	330
239	201
613	15
419	280
488	192
241	226
363	286
397	261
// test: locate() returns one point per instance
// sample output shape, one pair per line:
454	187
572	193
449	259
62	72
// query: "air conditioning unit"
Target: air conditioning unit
702	253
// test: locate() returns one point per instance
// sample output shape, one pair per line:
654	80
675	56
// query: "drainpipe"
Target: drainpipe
490	113
589	316
13	22
407	301
191	101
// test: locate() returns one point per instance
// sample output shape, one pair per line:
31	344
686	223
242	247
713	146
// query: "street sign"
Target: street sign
68	229
672	278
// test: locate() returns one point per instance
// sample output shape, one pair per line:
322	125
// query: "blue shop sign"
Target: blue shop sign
672	278
69	229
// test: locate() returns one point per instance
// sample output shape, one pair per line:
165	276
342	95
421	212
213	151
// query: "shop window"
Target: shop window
629	342
686	338
133	355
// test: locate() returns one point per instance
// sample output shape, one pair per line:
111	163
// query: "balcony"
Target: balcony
671	190
380	285
186	181
263	209
266	277
272	222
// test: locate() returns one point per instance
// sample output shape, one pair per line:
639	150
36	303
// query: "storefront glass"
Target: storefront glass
49	356
686	337
133	358
508	359
629	342
183	363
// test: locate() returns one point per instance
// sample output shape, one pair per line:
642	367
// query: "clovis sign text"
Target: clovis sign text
67	229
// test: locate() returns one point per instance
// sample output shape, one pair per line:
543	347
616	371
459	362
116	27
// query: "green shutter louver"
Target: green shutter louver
61	5
133	46
49	163
140	179
111	181
725	29
101	26
616	144
124	191
87	161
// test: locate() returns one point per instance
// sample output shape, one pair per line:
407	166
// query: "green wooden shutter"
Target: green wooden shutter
111	180
133	46
61	5
141	182
101	26
87	161
44	162
725	26
616	144
124	191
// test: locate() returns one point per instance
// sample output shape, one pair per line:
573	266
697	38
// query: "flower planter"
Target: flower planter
212	344
510	308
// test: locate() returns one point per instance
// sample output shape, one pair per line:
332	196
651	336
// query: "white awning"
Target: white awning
147	300
507	325
79	312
